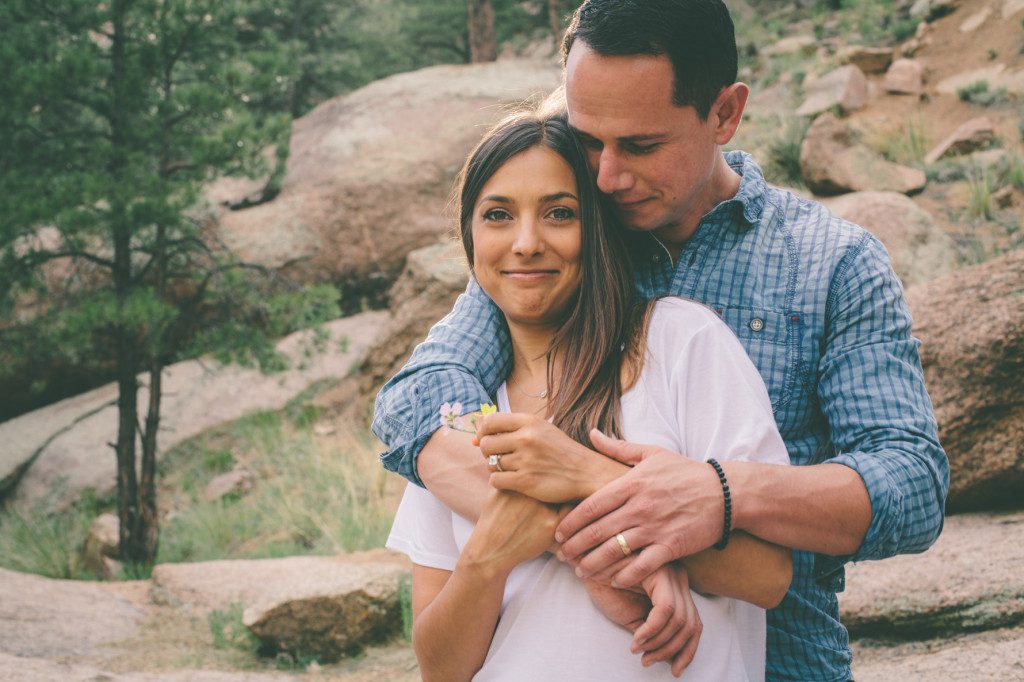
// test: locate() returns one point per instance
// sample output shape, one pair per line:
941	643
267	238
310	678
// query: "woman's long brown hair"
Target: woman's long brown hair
604	327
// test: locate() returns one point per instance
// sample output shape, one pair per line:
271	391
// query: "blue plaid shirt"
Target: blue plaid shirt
816	304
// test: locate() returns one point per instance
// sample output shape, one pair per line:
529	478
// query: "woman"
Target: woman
488	602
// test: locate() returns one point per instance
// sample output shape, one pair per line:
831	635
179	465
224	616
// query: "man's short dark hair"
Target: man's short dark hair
696	35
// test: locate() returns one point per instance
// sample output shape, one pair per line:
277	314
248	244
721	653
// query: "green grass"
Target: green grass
979	198
907	145
311	496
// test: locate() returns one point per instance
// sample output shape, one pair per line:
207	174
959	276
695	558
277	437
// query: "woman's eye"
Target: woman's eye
497	214
562	213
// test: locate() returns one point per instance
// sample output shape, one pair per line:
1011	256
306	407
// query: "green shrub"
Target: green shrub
978	93
783	164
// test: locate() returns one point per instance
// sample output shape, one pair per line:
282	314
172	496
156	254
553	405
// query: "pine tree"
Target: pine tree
115	116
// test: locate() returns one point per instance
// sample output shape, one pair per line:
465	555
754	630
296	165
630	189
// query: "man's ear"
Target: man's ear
727	111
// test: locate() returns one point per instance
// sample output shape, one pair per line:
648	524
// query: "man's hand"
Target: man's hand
539	460
666	507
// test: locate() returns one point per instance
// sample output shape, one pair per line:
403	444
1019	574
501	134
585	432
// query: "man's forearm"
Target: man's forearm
821	508
453	469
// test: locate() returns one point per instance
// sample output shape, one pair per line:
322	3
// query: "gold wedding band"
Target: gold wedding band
623	545
495	461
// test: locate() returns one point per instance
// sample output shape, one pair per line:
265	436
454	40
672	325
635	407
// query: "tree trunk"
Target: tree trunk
483	46
555	21
131	547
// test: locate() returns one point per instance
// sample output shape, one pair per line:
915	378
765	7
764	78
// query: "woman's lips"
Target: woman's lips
528	275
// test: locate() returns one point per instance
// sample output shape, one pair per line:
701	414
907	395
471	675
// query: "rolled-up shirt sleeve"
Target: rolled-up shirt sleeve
463	359
872	392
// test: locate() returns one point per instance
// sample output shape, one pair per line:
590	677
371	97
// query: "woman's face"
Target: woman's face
527	238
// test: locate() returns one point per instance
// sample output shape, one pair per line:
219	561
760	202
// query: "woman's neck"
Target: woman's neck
528	382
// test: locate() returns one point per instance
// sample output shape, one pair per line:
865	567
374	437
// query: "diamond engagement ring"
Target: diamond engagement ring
623	545
495	461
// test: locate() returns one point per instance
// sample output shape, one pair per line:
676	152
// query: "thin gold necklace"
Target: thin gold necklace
519	387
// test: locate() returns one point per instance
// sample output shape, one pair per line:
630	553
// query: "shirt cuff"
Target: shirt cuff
428	394
885	529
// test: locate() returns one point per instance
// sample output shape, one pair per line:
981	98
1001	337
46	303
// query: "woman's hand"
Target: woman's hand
672	630
512	528
539	460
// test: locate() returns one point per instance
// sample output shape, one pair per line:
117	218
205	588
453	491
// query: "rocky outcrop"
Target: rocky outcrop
370	173
832	161
905	77
995	76
845	88
969	580
867	59
919	249
64	449
971	324
975	134
45	618
433	278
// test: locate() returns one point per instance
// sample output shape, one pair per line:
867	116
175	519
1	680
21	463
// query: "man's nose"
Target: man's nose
528	241
613	175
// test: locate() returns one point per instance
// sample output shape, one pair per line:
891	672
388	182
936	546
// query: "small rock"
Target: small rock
867	59
990	159
910	47
930	10
324	428
905	77
237	481
102	546
972	23
972	135
833	162
805	45
846	87
1004	197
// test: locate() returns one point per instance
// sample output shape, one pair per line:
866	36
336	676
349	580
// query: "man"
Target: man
651	89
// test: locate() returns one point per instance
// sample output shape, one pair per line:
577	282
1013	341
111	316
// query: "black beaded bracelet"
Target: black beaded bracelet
727	528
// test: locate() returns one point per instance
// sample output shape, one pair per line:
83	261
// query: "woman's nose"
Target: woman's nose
528	241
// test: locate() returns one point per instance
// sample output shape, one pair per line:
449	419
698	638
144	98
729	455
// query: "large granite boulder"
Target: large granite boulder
969	580
833	161
56	452
433	278
919	249
371	172
971	324
326	607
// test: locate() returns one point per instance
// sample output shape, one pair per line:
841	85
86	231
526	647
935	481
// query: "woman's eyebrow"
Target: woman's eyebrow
495	197
558	195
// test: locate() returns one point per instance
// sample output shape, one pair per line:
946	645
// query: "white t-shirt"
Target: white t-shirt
698	395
